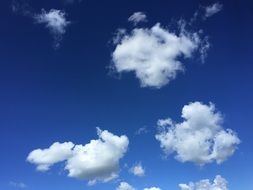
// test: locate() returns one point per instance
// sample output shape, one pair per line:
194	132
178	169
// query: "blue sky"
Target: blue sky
61	79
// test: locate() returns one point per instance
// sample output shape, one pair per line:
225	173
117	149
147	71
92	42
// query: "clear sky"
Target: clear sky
126	95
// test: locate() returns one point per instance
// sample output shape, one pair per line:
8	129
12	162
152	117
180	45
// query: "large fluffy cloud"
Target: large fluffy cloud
95	161
218	183
199	138
55	21
155	54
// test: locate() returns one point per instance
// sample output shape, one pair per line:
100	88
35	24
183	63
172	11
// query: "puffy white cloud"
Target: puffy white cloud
125	186
155	54
95	161
152	188
137	17
44	158
199	138
219	183
99	159
55	21
138	170
212	9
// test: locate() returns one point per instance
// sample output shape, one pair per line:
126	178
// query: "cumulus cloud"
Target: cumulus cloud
138	170
218	183
95	161
199	138
152	188
55	21
213	9
137	17
155	54
125	186
45	158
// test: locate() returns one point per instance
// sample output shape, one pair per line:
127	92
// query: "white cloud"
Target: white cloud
55	21
154	54
138	170
213	9
19	185
137	17
45	158
199	138
125	186
99	159
152	188
95	161
219	183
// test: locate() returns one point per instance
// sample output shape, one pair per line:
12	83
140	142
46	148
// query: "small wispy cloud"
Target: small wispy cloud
125	186
142	130
137	170
71	1
138	17
19	185
55	21
21	8
213	9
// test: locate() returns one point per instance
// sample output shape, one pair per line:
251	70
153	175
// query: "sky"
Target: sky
126	95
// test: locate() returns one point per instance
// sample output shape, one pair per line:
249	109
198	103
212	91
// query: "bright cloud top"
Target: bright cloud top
125	186
213	9
55	21
138	170
200	138
95	161
153	53
137	17
218	183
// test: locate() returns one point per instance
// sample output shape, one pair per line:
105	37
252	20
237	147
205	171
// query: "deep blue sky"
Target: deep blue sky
50	95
